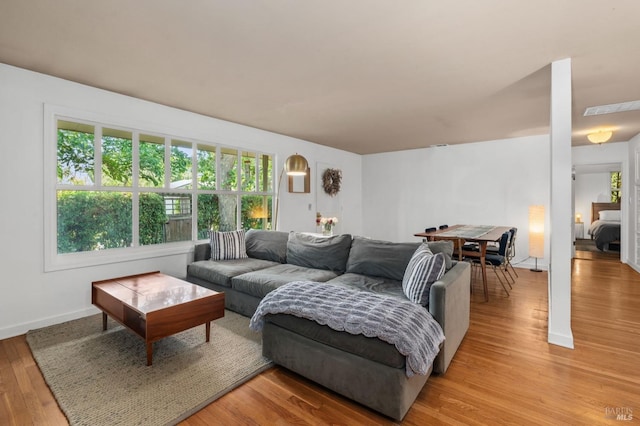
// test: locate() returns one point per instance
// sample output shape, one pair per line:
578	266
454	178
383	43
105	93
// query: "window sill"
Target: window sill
60	262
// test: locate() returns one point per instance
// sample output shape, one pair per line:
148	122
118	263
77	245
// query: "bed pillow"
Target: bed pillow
228	245
610	215
423	269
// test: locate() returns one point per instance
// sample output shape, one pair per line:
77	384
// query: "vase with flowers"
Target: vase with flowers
327	224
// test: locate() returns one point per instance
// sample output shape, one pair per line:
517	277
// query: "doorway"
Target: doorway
594	183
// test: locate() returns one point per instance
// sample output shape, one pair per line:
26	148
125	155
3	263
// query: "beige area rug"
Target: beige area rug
101	378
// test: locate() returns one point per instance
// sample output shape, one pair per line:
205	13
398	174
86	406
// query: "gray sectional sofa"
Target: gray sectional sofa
367	370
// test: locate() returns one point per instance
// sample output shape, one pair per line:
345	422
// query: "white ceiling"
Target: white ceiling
365	76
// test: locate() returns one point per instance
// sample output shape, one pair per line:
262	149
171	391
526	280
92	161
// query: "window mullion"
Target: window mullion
97	152
135	192
167	163
218	154
194	191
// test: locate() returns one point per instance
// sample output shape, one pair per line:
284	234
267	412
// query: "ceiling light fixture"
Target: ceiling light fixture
600	136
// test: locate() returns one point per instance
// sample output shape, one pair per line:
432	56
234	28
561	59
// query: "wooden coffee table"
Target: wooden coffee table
155	305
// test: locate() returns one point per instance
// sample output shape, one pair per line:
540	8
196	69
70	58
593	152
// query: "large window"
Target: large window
123	188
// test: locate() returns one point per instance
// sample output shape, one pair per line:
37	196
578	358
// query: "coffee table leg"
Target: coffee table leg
104	321
208	328
149	353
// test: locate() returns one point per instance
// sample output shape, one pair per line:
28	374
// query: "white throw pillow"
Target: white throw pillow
610	215
228	245
423	269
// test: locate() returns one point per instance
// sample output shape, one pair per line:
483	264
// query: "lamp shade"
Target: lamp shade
600	136
296	165
536	231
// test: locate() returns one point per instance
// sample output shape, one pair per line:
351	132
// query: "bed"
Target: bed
605	224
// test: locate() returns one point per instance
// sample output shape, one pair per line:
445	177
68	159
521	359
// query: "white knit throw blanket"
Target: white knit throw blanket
406	325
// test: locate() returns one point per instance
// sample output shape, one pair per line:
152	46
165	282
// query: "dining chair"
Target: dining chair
432	229
457	244
511	252
498	261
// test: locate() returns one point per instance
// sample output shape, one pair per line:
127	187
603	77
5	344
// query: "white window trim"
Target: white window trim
54	261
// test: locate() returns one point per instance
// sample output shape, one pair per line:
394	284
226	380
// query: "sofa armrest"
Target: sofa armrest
449	303
202	252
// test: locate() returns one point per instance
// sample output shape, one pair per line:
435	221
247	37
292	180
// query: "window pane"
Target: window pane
248	171
89	221
116	158
152	218
228	169
164	218
151	161
208	217
256	212
216	212
178	210
228	208
265	176
206	167
181	154
75	164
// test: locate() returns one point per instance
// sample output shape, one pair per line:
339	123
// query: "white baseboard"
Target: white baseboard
560	340
18	329
530	264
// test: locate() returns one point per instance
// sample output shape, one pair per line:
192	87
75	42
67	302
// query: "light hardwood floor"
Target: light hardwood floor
504	372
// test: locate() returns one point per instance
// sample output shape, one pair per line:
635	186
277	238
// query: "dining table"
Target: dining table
459	234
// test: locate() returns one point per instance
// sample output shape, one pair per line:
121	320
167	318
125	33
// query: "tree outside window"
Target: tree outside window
616	187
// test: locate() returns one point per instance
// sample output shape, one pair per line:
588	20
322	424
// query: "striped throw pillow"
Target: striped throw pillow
423	269
228	245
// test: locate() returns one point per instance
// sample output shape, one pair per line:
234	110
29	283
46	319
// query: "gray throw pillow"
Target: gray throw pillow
329	253
267	245
378	258
423	270
445	247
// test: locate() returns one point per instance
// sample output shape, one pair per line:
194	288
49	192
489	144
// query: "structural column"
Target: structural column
561	216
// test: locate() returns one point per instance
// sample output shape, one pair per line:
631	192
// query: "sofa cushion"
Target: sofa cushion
259	283
445	247
423	269
228	245
379	258
387	259
221	271
370	348
328	253
381	285
267	245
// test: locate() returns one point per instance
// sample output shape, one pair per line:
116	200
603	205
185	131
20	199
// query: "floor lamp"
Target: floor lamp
295	165
536	234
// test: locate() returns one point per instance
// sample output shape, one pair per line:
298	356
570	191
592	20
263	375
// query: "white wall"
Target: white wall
31	298
589	188
483	183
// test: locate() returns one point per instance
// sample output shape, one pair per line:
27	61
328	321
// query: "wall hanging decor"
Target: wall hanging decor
331	181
